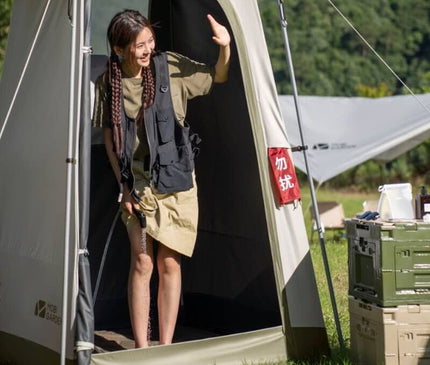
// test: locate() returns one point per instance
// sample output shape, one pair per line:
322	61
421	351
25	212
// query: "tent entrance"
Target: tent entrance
228	286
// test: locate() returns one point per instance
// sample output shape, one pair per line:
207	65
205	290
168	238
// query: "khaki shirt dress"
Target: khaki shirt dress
171	218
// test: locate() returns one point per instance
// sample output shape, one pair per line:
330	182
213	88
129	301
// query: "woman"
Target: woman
141	102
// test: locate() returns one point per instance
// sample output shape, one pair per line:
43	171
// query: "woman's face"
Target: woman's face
138	54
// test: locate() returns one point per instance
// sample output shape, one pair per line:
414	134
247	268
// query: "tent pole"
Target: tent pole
70	170
308	172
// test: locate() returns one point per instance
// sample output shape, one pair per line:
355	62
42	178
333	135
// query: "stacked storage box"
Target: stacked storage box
389	335
389	288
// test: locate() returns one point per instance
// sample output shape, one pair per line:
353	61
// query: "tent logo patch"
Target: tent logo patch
47	311
333	146
40	309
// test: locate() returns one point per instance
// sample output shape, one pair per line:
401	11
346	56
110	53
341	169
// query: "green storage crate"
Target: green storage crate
389	262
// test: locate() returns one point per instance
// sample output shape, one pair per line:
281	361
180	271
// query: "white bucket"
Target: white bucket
395	201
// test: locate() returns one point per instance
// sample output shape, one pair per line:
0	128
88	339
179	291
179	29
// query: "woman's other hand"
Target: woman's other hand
221	37
220	33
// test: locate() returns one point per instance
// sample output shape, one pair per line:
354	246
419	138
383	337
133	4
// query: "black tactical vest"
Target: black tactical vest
171	151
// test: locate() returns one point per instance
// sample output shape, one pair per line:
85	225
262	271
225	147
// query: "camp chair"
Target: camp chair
331	217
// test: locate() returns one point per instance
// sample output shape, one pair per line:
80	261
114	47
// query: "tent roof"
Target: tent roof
343	132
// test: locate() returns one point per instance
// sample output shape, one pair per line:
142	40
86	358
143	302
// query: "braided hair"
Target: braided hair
122	31
148	93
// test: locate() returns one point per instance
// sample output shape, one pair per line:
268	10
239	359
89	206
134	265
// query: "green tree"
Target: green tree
5	12
373	91
330	59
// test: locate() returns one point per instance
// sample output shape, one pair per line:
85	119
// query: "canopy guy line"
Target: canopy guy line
377	55
27	61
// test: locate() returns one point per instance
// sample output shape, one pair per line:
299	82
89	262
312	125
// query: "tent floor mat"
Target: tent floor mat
107	341
122	339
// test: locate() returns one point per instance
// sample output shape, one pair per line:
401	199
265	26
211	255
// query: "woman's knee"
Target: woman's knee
142	261
168	261
142	264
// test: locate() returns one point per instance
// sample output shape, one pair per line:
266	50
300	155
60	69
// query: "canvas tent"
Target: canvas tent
342	132
250	285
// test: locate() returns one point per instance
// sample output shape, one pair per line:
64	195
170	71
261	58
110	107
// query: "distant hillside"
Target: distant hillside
330	59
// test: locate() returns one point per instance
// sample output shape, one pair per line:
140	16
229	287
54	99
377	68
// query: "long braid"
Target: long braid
122	31
148	93
116	89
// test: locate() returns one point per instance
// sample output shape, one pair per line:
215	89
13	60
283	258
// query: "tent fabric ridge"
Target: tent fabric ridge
260	142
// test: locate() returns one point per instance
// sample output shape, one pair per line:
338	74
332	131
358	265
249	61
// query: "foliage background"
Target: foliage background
5	10
331	60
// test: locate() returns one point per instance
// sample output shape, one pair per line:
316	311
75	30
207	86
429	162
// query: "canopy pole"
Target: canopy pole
308	172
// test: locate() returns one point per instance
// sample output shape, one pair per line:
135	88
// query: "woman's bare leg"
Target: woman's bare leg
169	291
141	266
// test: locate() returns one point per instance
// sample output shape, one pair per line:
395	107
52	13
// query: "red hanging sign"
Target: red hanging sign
284	175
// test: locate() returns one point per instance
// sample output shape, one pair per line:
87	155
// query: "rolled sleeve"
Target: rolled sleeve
188	79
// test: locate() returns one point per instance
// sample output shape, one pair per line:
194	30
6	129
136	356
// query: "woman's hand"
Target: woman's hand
220	33
128	202
222	38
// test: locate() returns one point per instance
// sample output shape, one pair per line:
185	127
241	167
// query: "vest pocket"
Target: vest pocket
165	125
170	154
175	168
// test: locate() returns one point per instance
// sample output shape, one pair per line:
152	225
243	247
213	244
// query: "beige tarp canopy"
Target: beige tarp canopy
344	132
